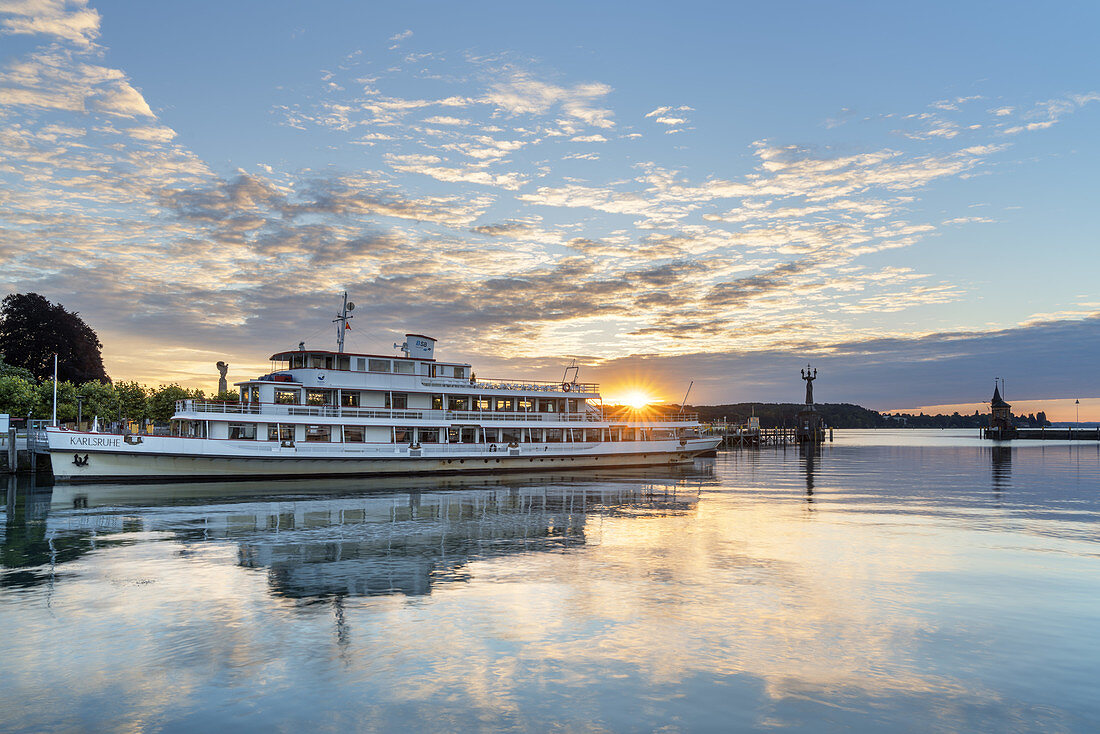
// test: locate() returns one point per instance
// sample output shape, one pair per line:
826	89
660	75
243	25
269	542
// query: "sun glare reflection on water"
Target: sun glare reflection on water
940	586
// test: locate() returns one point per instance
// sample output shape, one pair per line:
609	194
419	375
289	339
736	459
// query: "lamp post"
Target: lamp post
79	411
1077	404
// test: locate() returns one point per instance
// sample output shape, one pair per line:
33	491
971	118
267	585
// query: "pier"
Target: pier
24	451
1042	434
737	436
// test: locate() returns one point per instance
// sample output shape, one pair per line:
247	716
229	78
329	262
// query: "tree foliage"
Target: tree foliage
109	402
33	330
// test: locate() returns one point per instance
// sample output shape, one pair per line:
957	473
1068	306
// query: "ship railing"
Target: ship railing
455	416
481	450
518	385
332	411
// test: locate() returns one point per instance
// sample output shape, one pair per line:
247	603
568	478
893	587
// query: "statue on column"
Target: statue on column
809	378
223	386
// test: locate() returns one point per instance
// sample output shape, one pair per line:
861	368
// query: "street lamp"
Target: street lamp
1077	404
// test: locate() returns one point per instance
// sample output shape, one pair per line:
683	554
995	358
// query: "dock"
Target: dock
1042	434
740	436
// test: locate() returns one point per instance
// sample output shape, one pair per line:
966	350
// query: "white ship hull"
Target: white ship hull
91	457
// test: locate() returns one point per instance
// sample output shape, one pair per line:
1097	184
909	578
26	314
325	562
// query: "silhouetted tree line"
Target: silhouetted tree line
777	415
848	415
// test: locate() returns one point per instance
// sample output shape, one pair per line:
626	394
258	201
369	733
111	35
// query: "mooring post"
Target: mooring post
13	455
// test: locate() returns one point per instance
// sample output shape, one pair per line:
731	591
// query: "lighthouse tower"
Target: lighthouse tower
1000	416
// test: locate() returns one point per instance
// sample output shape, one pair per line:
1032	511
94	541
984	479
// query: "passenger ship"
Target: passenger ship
325	413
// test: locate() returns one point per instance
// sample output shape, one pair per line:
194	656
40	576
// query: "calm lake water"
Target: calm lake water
892	581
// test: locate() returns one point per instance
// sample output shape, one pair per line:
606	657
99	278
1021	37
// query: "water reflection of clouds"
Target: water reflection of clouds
591	604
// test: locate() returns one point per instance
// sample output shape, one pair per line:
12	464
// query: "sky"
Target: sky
902	195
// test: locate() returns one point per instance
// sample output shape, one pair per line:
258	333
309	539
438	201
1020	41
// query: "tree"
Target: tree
162	401
18	396
8	370
33	330
134	399
100	399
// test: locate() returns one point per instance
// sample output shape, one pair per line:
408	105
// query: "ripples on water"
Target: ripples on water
909	581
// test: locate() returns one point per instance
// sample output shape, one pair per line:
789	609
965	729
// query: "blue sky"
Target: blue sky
715	191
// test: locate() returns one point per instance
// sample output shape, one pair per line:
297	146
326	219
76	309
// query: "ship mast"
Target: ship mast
341	322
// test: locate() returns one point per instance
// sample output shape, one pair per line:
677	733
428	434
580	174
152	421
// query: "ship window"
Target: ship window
511	435
504	404
402	435
525	404
482	404
429	435
460	372
297	361
452	435
437	402
316	397
403	368
241	431
343	363
286	397
553	435
318	433
469	435
379	365
458	402
318	361
354	434
279	433
361	364
349	399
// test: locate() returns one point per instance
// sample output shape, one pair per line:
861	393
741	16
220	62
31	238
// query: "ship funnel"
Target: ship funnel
419	346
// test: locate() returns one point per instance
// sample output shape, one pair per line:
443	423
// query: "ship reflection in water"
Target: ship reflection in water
336	537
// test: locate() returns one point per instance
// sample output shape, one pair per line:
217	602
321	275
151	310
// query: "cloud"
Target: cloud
399	37
55	79
1048	113
430	165
662	116
519	93
67	20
